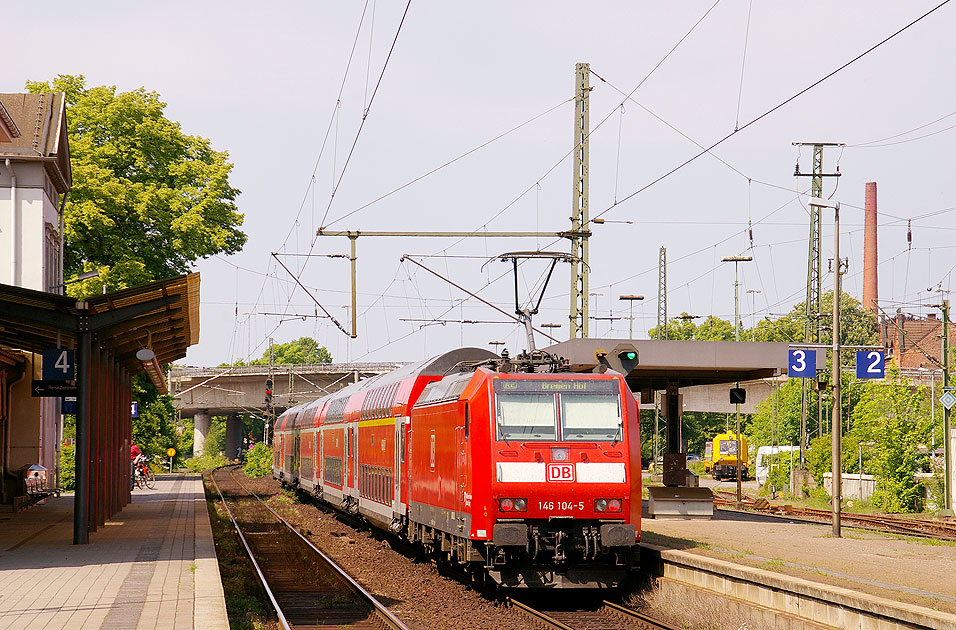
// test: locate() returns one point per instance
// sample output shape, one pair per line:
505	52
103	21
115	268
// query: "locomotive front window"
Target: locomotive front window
526	416
728	447
590	417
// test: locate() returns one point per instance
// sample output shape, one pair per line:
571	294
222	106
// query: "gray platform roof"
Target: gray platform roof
687	362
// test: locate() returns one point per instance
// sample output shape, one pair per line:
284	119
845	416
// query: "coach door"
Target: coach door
461	471
353	461
398	504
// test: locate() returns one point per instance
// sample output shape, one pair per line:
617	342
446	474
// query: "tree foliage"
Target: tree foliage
892	420
683	328
148	200
302	350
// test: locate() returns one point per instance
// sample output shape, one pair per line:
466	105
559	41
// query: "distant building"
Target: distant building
35	176
909	339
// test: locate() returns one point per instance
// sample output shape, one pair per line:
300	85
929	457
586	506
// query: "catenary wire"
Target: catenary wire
772	110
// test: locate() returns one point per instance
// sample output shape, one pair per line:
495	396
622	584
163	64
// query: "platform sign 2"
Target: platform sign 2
58	365
870	364
802	363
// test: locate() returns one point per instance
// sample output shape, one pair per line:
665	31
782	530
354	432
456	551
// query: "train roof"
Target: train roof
441	365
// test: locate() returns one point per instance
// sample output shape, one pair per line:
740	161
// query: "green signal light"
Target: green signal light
629	355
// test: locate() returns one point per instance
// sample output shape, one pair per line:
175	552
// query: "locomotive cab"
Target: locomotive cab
565	505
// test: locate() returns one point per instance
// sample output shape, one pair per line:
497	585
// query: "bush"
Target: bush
206	462
68	468
258	461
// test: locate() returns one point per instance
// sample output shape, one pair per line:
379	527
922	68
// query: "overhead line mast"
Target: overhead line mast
579	206
813	325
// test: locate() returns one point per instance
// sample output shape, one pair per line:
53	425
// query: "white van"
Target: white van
764	457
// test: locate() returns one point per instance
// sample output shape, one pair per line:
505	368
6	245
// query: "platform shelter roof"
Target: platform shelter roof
163	316
687	362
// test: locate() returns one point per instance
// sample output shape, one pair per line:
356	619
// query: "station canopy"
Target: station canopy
162	316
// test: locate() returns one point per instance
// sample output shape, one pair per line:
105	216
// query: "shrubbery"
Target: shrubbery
68	468
258	461
206	462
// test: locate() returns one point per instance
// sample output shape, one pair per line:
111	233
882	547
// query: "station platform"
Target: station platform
152	566
862	568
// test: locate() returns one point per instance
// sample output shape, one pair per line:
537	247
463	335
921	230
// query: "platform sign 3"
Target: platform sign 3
58	365
870	364
802	363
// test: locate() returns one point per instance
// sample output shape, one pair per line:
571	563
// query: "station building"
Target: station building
35	178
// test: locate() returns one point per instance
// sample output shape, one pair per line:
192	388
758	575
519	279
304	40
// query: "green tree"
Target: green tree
858	326
891	415
776	421
683	328
147	199
302	350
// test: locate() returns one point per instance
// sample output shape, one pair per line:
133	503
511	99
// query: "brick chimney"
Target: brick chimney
870	286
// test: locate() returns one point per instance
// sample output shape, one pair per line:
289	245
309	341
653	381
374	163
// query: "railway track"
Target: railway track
945	530
305	587
604	615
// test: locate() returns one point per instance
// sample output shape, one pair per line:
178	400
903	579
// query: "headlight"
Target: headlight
560	454
513	505
608	505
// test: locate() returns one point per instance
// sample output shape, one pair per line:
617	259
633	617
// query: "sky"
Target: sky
439	116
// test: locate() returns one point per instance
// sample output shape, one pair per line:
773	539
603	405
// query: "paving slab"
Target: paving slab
153	565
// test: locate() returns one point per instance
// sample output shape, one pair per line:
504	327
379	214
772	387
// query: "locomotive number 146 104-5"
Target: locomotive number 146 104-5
561	506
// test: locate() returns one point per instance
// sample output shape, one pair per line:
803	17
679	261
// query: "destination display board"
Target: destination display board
555	385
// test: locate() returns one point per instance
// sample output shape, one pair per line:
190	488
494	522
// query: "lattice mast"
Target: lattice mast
813	325
580	223
662	294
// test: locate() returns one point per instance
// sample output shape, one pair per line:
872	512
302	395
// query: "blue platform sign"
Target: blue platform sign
870	364
58	365
68	405
134	409
802	363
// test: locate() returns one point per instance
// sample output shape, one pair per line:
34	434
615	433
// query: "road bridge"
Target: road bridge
201	392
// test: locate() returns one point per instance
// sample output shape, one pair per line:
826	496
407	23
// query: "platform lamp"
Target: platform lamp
631	299
737	260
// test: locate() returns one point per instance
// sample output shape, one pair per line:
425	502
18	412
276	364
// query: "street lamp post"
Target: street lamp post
737	260
631	299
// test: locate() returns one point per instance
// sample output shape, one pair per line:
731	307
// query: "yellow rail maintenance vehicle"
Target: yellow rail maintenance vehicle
720	456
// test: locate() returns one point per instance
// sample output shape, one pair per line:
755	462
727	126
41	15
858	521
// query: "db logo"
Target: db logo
560	472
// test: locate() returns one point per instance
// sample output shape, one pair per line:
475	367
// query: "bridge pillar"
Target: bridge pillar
200	431
233	436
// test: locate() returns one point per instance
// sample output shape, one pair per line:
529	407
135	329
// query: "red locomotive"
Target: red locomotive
530	478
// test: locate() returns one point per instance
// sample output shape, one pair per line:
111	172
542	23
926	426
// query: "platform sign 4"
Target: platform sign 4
802	363
58	365
870	364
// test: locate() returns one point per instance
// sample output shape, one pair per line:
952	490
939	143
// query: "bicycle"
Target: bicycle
143	475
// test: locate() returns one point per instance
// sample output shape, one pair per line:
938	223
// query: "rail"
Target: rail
582	619
945	530
383	615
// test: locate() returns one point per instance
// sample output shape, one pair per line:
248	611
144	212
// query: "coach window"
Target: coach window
525	416
591	417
